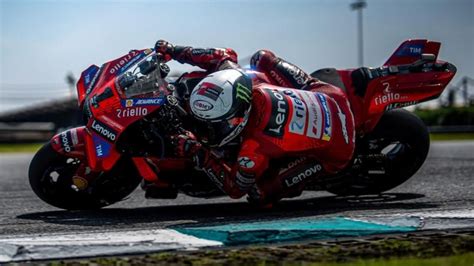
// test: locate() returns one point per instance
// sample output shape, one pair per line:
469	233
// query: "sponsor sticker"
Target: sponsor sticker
66	141
94	80
411	49
200	51
203	105
104	131
143	102
327	117
298	117
315	117
342	118
123	63
388	96
132	112
89	75
303	175
399	105
295	73
102	148
276	124
277	77
243	93
292	164
75	139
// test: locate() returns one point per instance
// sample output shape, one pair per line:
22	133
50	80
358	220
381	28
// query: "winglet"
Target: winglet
411	50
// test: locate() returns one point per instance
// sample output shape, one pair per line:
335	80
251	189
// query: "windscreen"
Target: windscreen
142	78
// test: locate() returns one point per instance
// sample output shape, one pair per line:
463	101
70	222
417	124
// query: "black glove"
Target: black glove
165	49
186	145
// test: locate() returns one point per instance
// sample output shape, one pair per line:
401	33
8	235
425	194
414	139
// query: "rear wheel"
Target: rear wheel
386	157
50	176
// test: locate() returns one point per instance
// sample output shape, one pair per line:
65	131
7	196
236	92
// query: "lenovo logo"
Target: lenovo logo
65	143
294	180
276	124
103	130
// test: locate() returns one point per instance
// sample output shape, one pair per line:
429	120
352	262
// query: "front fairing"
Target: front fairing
113	105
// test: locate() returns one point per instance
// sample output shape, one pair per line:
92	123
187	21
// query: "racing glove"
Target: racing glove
164	48
186	145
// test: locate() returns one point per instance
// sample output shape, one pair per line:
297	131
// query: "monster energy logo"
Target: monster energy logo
243	93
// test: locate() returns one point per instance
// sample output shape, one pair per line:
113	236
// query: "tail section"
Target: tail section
411	50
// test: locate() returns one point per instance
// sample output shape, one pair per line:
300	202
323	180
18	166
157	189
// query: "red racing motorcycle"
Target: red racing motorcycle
127	101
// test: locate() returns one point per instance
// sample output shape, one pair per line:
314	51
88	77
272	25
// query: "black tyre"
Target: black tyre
386	157
50	176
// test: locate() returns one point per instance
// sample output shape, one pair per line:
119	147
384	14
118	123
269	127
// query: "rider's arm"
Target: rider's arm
211	59
237	178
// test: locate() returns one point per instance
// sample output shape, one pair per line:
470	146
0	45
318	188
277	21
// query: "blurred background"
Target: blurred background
45	45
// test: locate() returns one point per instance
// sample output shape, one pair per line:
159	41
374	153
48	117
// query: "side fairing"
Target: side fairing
109	112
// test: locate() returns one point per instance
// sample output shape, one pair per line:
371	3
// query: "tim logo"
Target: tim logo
415	50
411	49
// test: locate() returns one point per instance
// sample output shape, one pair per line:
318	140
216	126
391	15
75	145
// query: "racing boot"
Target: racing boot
154	191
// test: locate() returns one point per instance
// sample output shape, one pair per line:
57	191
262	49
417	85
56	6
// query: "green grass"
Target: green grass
451	136
466	259
457	260
412	249
20	147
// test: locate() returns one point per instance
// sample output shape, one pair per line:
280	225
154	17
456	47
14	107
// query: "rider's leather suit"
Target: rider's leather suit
292	136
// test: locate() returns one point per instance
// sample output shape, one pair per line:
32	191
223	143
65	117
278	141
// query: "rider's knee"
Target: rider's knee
262	59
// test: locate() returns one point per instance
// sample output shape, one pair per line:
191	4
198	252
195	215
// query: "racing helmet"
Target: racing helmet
221	102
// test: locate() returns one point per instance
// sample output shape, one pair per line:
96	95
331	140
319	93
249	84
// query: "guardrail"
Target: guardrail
26	132
451	129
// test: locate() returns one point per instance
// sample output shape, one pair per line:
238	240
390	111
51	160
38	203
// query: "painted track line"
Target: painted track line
59	246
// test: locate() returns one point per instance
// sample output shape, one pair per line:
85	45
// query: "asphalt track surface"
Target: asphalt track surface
443	184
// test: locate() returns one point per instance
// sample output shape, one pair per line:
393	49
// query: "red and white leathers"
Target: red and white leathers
296	120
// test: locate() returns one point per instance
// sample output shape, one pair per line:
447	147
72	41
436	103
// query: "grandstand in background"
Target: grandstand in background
39	122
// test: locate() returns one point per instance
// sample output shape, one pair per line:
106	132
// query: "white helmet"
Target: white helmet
222	101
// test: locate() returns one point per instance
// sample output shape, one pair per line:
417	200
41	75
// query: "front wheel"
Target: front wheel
50	176
386	157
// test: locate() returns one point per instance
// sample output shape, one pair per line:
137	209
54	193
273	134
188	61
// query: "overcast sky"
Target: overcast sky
43	40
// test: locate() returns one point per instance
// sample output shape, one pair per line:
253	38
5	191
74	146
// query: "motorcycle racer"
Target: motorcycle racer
313	125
